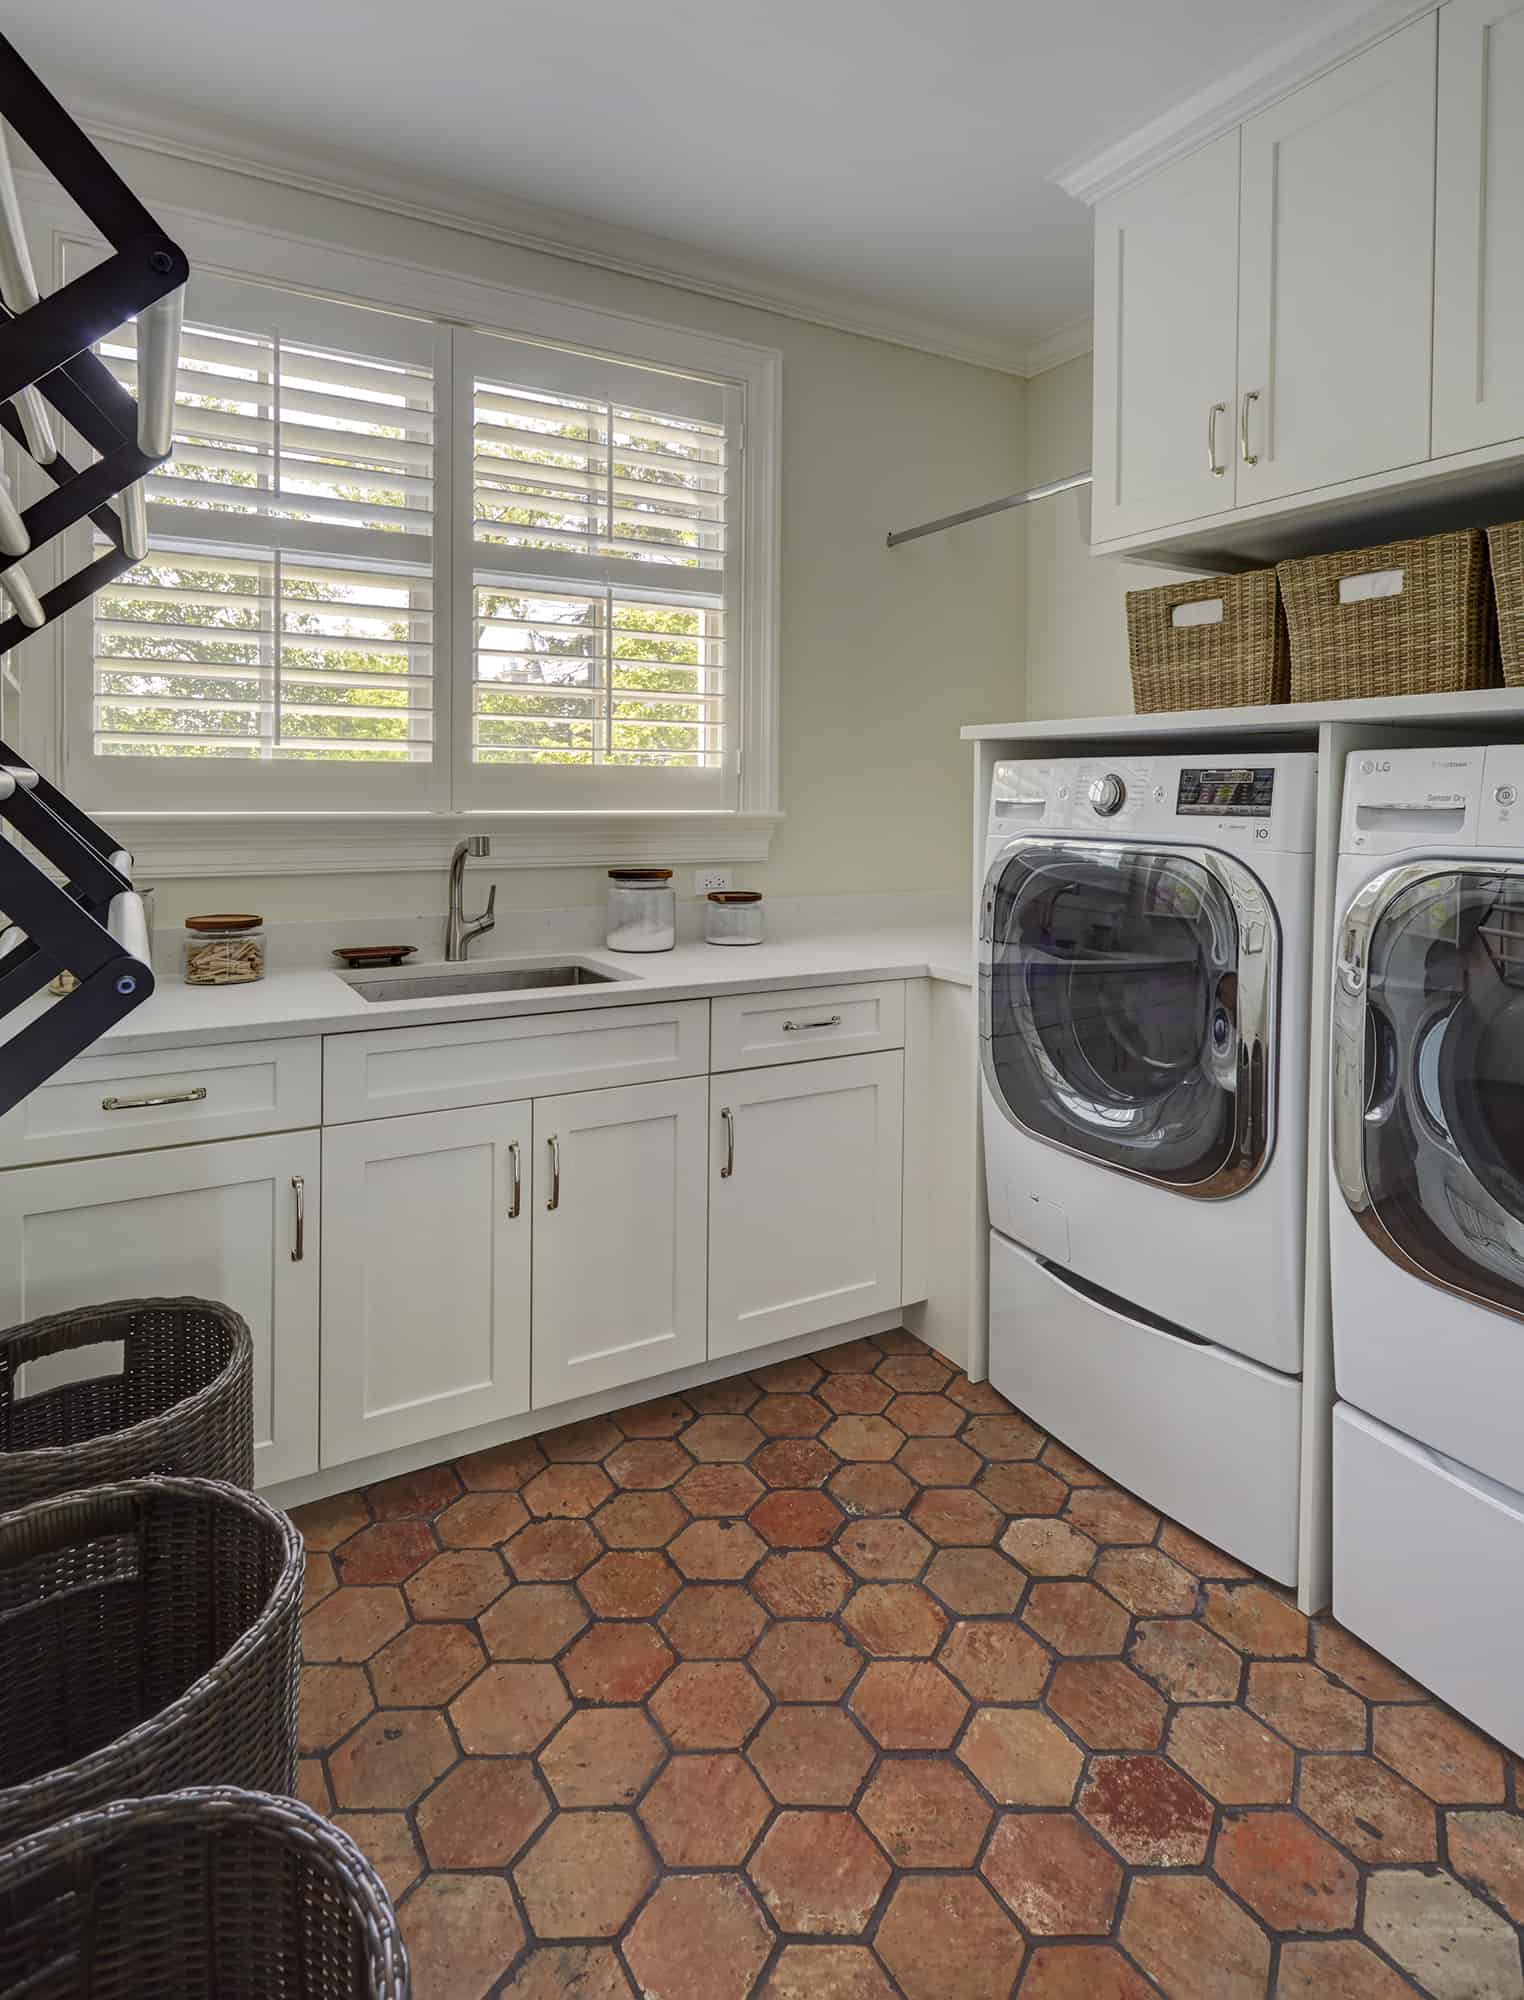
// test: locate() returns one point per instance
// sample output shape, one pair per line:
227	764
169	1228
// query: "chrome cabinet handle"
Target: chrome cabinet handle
1248	457
516	1200
730	1143
553	1200
145	1103
1214	411
299	1189
794	1027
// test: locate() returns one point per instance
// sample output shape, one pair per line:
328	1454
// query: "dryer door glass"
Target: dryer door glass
1442	1119
1113	1008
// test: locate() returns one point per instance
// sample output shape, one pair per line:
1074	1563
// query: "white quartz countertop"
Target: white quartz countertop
318	1002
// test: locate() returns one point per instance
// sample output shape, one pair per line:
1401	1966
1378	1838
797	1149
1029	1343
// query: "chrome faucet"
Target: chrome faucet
459	928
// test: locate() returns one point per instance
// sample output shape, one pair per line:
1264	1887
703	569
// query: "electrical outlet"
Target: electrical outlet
707	880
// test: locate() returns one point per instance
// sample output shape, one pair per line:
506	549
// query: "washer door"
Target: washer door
1126	996
1428	1083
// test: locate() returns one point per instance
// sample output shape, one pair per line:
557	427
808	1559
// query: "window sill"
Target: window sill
182	846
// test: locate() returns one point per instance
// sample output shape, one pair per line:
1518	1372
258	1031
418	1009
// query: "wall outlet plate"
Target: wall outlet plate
707	880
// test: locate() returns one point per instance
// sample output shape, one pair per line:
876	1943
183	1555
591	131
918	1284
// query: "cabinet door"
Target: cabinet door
425	1277
1336	274
1166	338
618	1236
1479	274
804	1183
217	1222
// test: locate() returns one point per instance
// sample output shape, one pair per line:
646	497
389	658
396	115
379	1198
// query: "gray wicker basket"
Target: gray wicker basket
149	1640
204	1895
183	1402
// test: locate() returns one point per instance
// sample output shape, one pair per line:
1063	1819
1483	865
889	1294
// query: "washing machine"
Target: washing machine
1426	1220
1144	949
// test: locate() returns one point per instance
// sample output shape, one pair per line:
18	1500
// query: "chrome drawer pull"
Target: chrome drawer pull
1251	397
793	1027
146	1103
730	1143
1214	465
553	1200
517	1201
299	1189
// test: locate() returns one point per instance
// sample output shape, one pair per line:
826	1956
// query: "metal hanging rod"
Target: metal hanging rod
1043	492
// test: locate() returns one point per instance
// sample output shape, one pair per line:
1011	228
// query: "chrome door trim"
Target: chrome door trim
1256	1092
1369	905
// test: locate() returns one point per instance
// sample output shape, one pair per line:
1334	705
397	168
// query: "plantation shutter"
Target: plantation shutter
284	617
597	574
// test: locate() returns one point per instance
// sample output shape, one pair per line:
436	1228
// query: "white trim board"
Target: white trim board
1482	709
1345	31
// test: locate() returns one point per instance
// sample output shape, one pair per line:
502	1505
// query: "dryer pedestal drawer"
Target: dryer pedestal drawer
1210	1439
1427	1557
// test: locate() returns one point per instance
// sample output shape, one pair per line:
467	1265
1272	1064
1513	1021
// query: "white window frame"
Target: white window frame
360	834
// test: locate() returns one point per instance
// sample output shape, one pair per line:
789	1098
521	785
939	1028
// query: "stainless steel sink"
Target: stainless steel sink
448	982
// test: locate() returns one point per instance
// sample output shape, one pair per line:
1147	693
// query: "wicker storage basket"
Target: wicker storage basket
1237	658
183	1402
1507	544
204	1895
149	1636
1424	625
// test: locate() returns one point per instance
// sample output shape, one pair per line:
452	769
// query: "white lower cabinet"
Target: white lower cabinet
425	1277
804	1197
237	1221
619	1231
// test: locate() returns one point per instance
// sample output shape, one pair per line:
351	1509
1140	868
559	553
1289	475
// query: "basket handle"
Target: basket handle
49	1526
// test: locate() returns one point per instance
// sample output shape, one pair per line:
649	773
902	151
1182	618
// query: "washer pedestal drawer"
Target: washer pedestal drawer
1427	1561
1207	1437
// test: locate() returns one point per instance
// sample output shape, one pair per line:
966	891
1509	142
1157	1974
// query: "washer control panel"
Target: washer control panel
1267	801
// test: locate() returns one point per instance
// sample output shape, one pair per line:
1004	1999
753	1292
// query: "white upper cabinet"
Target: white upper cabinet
1166	328
1479	300
1336	274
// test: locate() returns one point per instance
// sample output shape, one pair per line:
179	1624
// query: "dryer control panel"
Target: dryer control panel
1397	801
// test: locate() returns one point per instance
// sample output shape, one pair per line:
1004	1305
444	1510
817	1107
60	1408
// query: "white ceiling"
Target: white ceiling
894	151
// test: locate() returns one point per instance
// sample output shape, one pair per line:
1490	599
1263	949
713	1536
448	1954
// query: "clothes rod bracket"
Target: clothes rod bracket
1023	499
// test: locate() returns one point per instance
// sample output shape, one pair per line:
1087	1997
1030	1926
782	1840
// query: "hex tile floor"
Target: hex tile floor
841	1681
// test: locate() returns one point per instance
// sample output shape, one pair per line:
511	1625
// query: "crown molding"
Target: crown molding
1345	31
554	232
1067	343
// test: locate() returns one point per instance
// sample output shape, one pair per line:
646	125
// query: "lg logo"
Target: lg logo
1369	765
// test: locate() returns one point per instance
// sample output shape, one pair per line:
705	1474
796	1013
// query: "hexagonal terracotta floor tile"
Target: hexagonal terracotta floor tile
1197	1944
795	1462
711	1491
980	1399
481	1520
850	1357
926	1416
389	1552
915	1374
532	1621
1436	1752
1336	1969
975	1582
581	1443
802	1583
386	1840
1108	1515
1145	1809
425	1666
718	1551
458	1584
566	1492
413	1493
883	1551
709	1705
909	1705
648	1464
785	1416
460	1931
945	1937
851	1395
723	1399
1083	1972
1003	1437
1107	1705
713	1621
806	1660
1368	1809
864	1488
1257	1620
1185	1661
803	1519
895	1620
826	1972
925	1814
319	1579
1448	1939
1287	1874
582	1971
584	1875
509	1710
353	1624
324	1524
480	1814
866	1437
811	1756
938	1461
601	1757
1077	1618
701	1937
996	1662
819	1873
1234	1759
1307	1708
795	1377
640	1520
1053	1875
331	1701
502	1468
312	1786
662	1418
1022	1487
551	1551
1147	1582
956	1516
616	1663
629	1583
1192	1553
391	1759
705	1811
1487	1850
722	1440
1341	1654
1021	1757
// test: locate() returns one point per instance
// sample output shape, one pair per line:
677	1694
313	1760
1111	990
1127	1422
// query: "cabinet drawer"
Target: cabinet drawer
121	1104
385	1072
749	1030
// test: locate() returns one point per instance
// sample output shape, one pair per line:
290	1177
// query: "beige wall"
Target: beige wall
1076	621
884	653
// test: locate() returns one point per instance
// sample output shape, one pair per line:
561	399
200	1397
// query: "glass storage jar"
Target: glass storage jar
224	949
642	910
733	916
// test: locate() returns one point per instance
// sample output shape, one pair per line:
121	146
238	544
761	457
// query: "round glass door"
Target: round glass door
1115	1006
1441	1107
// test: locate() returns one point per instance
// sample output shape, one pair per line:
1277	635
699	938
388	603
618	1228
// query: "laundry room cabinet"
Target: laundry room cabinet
237	1220
805	1176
